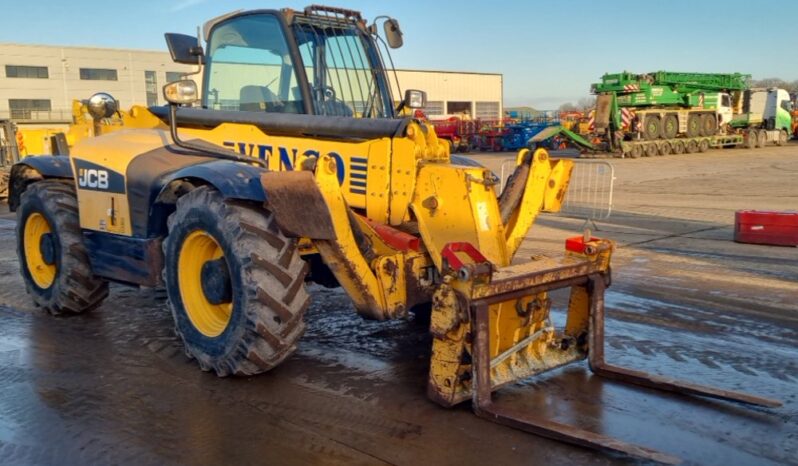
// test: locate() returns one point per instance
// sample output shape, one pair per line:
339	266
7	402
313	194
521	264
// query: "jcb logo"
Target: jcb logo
91	178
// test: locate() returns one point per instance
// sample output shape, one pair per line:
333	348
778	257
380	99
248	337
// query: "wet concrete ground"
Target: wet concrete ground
113	387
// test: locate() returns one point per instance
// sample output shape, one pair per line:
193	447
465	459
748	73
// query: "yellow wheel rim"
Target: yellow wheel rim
42	273
209	319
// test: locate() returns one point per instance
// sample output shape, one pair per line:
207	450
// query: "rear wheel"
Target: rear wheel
670	126
235	284
782	138
761	138
52	256
751	139
709	124
665	148
678	147
652	128
693	126
703	146
636	152
652	150
692	146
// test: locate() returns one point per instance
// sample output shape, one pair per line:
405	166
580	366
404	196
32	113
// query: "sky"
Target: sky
548	52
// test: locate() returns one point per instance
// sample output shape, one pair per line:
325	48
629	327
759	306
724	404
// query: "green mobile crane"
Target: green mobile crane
663	112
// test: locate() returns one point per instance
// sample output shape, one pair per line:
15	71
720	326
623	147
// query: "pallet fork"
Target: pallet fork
585	270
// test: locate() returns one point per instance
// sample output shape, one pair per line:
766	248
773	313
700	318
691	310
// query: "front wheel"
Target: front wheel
235	284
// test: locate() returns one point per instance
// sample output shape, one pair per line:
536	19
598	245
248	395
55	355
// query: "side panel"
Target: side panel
123	259
101	207
148	163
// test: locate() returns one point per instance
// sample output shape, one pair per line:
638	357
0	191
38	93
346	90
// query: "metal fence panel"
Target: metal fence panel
590	190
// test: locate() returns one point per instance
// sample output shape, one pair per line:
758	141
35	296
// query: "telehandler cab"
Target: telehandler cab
297	166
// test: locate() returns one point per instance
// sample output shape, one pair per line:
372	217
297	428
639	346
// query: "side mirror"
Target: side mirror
393	33
184	49
101	105
415	99
181	92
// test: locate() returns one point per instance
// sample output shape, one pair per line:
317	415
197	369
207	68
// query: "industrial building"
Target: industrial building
39	82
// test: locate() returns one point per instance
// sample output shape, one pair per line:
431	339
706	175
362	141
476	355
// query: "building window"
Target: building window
434	108
488	110
27	109
453	108
20	71
151	86
172	76
98	74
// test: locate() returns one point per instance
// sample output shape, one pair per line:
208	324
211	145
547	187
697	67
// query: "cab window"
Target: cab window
725	100
249	67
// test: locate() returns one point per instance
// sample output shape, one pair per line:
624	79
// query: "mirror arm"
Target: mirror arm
204	151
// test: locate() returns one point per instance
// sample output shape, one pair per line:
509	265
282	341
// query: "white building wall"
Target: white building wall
448	86
64	84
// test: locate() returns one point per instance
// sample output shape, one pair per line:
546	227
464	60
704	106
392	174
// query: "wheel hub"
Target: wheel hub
215	280
205	283
47	248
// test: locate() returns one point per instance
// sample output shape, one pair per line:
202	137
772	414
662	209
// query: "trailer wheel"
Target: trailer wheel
652	128
761	138
670	127
678	147
703	146
782	138
636	151
751	139
235	284
709	124
52	256
692	146
652	150
665	148
693	126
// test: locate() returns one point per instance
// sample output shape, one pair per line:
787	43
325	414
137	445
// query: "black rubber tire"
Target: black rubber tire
665	148
761	138
692	146
74	289
751	139
652	128
651	150
693	125
782	138
670	126
709	124
267	278
678	147
703	145
636	152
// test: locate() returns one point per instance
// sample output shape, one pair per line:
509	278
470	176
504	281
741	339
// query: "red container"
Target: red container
763	227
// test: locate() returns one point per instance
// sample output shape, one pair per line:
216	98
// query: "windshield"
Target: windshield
339	61
249	67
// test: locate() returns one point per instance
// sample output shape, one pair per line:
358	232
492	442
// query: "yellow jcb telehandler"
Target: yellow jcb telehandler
297	166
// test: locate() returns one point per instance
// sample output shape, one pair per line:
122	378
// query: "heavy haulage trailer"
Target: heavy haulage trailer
297	167
671	112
